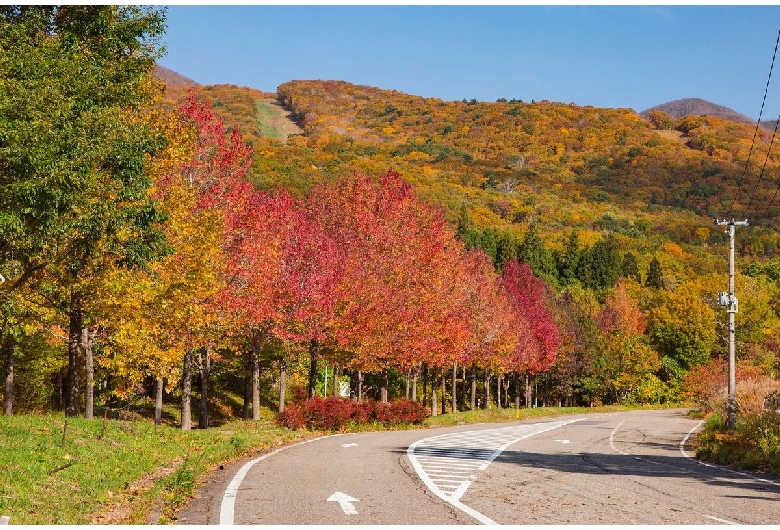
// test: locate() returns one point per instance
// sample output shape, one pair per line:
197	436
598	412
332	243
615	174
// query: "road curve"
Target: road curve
615	468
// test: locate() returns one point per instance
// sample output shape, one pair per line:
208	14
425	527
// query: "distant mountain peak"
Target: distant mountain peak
171	78
698	107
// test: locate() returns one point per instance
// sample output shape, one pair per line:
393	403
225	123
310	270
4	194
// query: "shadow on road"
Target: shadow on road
651	466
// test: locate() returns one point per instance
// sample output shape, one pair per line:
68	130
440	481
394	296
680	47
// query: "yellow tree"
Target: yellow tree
632	362
198	185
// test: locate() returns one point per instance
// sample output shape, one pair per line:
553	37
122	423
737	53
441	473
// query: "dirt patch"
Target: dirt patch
121	510
677	136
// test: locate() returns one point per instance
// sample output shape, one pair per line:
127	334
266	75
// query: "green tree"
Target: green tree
655	276
569	259
73	144
506	249
631	267
601	265
533	252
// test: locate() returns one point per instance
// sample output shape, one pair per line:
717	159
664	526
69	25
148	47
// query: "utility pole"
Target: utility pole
729	300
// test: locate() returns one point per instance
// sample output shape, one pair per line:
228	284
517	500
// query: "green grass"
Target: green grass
103	472
133	469
265	114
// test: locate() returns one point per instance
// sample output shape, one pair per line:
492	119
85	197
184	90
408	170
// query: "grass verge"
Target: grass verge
753	445
122	471
82	473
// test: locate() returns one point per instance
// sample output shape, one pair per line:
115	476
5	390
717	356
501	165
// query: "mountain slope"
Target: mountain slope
680	108
512	164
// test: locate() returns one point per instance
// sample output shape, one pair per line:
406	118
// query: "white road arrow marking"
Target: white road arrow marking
563	441
349	445
345	501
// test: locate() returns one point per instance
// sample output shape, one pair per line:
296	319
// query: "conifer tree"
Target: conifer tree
506	249
655	275
533	252
601	265
631	268
569	259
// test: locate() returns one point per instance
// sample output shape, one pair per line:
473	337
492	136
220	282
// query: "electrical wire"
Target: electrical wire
763	170
755	133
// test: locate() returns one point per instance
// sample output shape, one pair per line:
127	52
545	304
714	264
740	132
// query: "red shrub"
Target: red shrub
401	411
407	411
291	418
333	414
329	414
299	394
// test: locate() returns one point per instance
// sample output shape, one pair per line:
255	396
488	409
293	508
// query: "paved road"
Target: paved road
617	468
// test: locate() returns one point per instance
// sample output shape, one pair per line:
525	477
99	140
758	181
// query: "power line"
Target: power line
763	170
758	123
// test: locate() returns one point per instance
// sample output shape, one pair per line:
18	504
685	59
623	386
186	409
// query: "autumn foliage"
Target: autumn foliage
409	241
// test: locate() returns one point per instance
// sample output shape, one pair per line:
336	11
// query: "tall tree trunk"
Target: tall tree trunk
536	391
8	396
186	390
425	385
158	400
89	390
487	389
205	370
360	386
254	363
75	325
473	404
61	382
336	375
463	393
434	404
383	387
498	391
454	386
282	384
527	391
414	384
313	347
517	390
408	376
443	385
247	391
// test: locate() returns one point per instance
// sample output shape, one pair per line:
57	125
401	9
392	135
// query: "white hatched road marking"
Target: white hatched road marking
448	463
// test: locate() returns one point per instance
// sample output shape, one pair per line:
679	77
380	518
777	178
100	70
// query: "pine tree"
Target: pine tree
631	268
568	261
601	265
506	249
533	252
655	275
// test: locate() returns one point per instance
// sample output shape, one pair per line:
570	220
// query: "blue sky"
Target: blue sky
605	56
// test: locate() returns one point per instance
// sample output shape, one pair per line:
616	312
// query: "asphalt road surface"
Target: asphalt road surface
616	468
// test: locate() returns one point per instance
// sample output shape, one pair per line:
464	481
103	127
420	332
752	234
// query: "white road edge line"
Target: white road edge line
612	440
227	509
685	440
453	499
719	519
